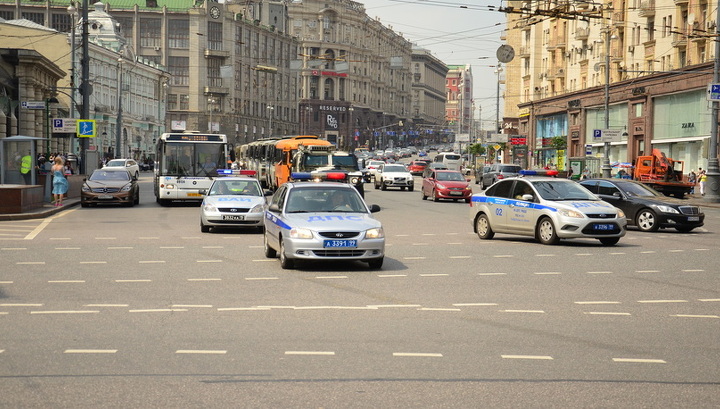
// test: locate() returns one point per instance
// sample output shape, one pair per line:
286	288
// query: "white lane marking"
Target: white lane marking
149	238
13	248
66	281
599	272
391	275
525	311
421	244
322	353
6	282
333	307
204	279
695	316
476	304
330	277
172	247
459	256
190	238
106	305
428	234
141	280
536	357
190	306
492	274
261	278
692	271
639	360
93	262
417	355
413	258
660	301
120	248
213	247
504	256
21	305
105	238
243	309
434	275
648	271
438	309
67	248
702	249
648	252
201	351
26	263
548	273
160	310
60	238
676	251
256	247
583	254
709	299
1	351
209	261
596	302
451	234
545	255
606	313
38	229
90	351
282	307
402	235
395	306
264	260
454	243
151	261
65	312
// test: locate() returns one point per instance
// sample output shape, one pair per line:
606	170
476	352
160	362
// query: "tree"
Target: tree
558	142
476	149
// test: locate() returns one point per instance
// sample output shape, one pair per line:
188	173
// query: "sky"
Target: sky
457	32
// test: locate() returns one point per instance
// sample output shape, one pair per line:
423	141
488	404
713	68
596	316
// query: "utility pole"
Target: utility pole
606	148
712	193
85	86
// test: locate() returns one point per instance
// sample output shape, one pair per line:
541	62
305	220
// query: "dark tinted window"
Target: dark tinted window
591	186
501	189
510	169
606	188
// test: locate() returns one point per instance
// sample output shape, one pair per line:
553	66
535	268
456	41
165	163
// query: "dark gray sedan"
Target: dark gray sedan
646	208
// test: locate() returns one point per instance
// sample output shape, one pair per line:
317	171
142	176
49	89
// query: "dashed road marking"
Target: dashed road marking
606	313
692	271
172	247
547	273
209	261
139	280
648	271
161	310
321	353
492	274
65	312
438	309
476	304
330	277
93	262
596	302
534	357
151	261
417	355
695	316
90	351
66	281
21	305
459	257
106	305
28	263
660	301
201	351
204	279
67	248
120	248
261	278
640	360
13	248
599	272
413	258
525	311
391	275
435	275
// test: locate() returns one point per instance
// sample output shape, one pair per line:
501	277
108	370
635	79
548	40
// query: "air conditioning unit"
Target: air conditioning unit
710	25
157	48
631	48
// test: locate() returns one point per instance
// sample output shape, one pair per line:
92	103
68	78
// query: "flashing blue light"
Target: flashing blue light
224	171
538	172
301	175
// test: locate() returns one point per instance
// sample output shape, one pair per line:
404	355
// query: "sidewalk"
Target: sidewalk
41	212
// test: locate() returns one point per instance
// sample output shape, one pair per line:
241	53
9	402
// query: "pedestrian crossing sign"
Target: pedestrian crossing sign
86	128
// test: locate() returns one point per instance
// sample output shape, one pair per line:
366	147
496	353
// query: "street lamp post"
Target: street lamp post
350	136
48	101
606	147
270	110
712	193
211	107
73	16
118	128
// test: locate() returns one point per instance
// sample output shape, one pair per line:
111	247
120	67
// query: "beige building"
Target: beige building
459	107
428	94
355	77
656	55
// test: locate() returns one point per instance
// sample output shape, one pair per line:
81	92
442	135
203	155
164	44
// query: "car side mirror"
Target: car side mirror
374	208
274	208
268	193
617	195
528	197
467	180
201	191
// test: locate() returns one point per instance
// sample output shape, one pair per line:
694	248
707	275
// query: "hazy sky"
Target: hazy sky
455	35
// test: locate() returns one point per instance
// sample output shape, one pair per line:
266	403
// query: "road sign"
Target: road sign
606	135
64	125
33	104
86	128
713	92
518	141
588	149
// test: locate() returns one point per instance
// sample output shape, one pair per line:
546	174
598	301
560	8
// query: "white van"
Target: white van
452	161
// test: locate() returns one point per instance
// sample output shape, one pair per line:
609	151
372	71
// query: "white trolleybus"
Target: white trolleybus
186	163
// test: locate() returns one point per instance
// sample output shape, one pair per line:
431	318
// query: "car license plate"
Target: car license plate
105	197
599	226
453	193
693	218
233	217
194	194
339	243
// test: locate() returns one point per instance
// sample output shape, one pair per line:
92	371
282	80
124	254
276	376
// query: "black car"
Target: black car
646	208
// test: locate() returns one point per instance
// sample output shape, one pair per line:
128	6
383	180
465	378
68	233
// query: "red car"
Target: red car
416	167
446	184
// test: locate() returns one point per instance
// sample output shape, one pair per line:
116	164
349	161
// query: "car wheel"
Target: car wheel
545	232
285	262
137	175
646	220
435	196
137	198
376	263
402	188
482	184
422	193
84	204
376	184
411	188
269	251
467	200
609	241
204	228
482	227
383	186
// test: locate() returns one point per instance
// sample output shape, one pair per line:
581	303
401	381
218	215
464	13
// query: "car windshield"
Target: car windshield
638	190
451	176
115	163
562	190
336	200
452	157
395	168
235	187
106	175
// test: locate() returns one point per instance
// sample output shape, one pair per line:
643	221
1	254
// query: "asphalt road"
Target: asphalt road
135	307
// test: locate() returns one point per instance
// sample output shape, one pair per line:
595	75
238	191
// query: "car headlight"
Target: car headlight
376	233
86	188
440	186
297	233
621	214
571	213
666	209
257	208
209	208
126	188
169	186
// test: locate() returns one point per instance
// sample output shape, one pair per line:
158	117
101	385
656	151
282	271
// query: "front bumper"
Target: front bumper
453	193
106	198
568	228
397	182
681	220
232	219
312	249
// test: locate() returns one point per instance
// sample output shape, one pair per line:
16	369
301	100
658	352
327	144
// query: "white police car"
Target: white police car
233	201
307	220
546	208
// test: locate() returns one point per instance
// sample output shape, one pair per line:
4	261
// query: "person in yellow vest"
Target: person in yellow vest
26	167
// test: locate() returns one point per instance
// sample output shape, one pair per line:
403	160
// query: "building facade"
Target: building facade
640	67
355	78
459	106
428	95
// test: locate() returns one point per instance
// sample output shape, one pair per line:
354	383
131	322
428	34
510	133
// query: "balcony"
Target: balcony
679	2
582	33
618	18
216	90
647	8
210	53
679	39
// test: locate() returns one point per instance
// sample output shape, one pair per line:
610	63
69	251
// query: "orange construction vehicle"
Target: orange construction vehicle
662	174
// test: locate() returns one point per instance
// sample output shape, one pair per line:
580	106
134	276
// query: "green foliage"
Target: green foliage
558	142
476	149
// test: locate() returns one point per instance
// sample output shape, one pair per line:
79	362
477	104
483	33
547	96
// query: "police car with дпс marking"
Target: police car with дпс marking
233	201
546	208
313	220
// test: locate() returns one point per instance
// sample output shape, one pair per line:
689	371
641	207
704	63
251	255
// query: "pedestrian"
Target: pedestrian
585	174
692	178
60	184
702	178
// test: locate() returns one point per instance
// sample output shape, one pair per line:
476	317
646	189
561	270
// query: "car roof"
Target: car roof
319	185
238	178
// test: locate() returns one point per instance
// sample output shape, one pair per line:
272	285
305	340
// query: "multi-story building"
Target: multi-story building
229	64
458	109
428	95
355	79
640	67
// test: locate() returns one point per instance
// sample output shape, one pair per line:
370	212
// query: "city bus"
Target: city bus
256	156
283	157
186	163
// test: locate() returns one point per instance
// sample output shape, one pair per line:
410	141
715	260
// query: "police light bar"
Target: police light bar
319	176
538	172
236	172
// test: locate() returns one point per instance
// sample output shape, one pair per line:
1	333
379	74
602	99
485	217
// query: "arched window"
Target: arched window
329	59
329	90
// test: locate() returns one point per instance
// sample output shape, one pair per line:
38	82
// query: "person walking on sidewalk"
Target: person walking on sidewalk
60	184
